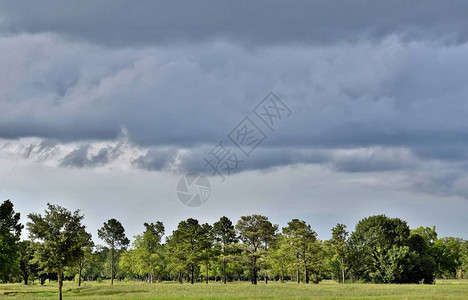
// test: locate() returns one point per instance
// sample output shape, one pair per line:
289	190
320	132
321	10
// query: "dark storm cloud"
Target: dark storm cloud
156	159
352	161
389	94
254	22
373	86
93	94
83	157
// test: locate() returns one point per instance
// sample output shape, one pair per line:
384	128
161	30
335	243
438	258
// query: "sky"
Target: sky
359	109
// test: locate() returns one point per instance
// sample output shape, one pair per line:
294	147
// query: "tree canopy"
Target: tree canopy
380	249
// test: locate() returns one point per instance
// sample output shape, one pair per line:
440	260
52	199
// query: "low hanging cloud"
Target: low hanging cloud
258	23
82	158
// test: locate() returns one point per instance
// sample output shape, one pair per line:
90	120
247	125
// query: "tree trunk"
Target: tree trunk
60	280
342	270
298	277
207	273
191	274
254	271
25	277
79	273
224	270
306	275
112	265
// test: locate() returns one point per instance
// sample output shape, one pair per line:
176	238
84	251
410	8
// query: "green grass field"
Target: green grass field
448	289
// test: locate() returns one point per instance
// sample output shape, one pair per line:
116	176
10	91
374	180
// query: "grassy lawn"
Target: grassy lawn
447	289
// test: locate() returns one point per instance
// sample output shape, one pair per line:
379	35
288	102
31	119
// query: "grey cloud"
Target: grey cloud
357	160
83	157
375	160
42	151
260	22
377	89
443	181
156	159
388	94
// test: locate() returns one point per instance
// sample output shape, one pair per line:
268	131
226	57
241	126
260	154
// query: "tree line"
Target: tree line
380	250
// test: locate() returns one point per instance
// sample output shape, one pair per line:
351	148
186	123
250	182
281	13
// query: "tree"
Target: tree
207	252
148	252
429	234
225	235
383	251
447	253
61	235
10	231
113	234
187	245
464	257
28	266
301	237
95	262
281	259
372	239
85	258
156	229
339	246
255	232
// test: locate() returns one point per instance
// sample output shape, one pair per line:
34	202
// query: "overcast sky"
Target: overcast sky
104	105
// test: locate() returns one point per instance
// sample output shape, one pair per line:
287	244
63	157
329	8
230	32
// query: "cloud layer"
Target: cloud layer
265	22
104	104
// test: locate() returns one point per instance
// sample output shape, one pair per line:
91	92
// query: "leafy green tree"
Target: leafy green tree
87	245
187	244
385	251
447	253
130	264
338	243
95	263
372	240
113	234
156	229
208	252
464	258
301	237
280	257
28	266
429	234
61	235
148	252
10	232
256	232
85	259
225	235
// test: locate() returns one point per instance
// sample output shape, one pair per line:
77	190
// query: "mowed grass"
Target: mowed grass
446	289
